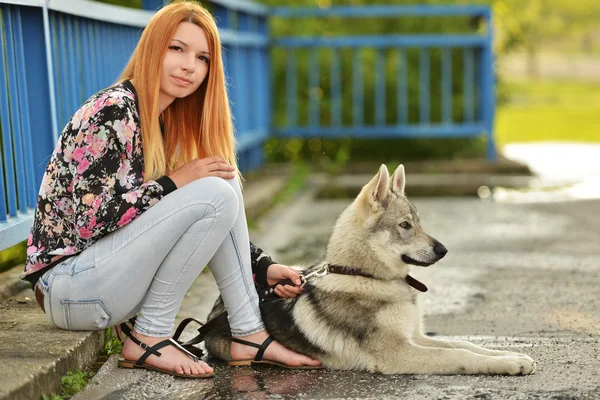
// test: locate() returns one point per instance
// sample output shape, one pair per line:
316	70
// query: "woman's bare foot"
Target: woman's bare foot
274	352
171	359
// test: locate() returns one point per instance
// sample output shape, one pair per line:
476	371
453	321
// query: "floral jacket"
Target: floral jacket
94	183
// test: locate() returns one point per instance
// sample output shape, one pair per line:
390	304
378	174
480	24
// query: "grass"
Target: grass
72	383
550	111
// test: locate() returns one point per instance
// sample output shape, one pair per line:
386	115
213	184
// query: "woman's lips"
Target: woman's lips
181	81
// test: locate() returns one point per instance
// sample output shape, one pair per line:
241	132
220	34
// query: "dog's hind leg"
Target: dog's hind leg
413	359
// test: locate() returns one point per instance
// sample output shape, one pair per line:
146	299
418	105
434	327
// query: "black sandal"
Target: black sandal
119	330
258	358
140	363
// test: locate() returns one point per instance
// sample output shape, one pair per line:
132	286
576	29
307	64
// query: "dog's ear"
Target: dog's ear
398	180
380	191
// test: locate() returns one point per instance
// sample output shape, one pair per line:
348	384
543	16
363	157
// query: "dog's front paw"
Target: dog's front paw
521	365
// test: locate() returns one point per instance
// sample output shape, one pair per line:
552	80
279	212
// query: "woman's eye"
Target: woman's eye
404	225
176	48
202	58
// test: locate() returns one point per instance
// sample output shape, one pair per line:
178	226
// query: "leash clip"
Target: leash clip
319	273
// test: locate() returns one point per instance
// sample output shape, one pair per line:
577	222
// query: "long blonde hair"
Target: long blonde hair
198	125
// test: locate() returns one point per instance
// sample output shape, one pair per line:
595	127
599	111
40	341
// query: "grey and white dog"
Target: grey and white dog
371	320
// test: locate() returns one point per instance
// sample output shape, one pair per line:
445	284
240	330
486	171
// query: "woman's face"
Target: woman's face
185	64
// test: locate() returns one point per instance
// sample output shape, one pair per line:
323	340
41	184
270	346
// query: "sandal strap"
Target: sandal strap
131	321
245	342
154	349
182	326
149	350
261	347
219	320
180	347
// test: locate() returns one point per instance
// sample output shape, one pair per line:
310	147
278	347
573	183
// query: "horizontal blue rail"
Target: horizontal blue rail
415	131
381	11
384	41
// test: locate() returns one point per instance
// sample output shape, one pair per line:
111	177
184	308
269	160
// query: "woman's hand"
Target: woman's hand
278	272
200	168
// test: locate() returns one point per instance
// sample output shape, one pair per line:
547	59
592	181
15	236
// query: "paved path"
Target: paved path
518	276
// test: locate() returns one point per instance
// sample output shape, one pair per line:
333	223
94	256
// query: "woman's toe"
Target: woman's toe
205	367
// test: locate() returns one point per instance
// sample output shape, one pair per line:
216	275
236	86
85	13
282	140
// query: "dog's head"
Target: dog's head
392	225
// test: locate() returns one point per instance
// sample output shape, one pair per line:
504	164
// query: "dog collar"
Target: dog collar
340	269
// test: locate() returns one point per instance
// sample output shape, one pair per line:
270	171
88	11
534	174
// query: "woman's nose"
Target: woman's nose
189	63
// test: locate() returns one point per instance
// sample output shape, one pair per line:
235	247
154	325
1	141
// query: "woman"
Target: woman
142	192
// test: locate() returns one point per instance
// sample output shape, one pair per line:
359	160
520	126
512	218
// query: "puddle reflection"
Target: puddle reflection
262	383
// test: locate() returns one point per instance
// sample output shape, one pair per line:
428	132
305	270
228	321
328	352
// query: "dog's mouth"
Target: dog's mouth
408	260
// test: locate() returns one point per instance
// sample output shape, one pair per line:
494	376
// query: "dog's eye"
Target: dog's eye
404	225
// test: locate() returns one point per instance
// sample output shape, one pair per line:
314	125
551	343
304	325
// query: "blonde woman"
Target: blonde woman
141	193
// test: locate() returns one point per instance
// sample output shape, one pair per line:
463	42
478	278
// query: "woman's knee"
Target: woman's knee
220	194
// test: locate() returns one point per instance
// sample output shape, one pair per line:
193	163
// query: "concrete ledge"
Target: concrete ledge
451	184
503	166
34	354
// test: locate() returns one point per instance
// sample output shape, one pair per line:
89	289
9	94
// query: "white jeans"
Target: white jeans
148	265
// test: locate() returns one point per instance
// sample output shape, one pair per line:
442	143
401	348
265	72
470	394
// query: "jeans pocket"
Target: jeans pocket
89	315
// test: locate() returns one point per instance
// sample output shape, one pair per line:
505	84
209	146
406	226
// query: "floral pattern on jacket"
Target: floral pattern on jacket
94	182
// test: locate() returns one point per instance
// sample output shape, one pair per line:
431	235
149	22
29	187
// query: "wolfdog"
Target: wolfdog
364	313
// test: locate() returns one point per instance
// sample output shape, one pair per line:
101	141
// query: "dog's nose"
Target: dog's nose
440	250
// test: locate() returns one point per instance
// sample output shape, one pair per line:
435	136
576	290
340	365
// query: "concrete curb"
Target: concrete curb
34	354
449	184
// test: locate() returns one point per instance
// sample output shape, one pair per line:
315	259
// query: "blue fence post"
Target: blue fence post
13	44
23	110
9	94
402	88
487	103
446	91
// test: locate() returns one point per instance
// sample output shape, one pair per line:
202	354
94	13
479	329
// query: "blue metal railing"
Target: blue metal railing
477	81
74	49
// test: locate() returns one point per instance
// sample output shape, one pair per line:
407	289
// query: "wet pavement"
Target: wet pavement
522	277
564	171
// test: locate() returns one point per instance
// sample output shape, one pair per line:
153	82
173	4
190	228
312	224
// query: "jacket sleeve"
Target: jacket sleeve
106	194
260	263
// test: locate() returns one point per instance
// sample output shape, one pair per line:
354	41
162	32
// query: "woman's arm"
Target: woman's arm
260	263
